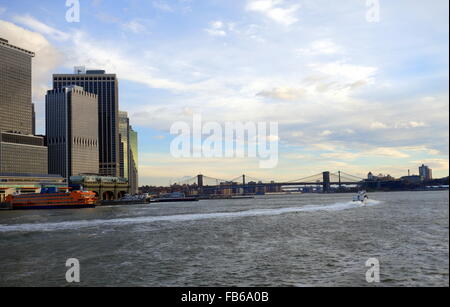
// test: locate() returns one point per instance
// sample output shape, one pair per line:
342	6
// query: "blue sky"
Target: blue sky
348	94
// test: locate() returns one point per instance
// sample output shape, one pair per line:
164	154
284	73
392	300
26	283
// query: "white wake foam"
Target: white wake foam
177	218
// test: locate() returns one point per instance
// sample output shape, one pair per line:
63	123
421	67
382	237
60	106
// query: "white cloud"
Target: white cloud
216	28
134	26
276	10
321	47
47	58
283	93
162	5
349	72
40	27
326	133
378	125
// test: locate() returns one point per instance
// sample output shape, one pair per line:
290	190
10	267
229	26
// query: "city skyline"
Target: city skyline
377	104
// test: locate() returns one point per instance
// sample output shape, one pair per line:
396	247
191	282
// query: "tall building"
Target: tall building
134	162
106	87
128	152
21	152
425	173
15	88
72	131
124	132
33	119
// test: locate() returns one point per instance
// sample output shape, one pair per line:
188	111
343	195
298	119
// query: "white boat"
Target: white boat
361	197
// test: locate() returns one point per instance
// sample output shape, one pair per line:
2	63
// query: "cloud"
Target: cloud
216	28
349	72
40	27
134	26
2	10
290	94
276	10
47	58
162	5
320	47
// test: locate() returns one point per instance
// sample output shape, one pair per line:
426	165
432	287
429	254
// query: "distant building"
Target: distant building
33	120
20	151
425	173
106	188
124	137
134	162
106	86
412	179
72	131
128	152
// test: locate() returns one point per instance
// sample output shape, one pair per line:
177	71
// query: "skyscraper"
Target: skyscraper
128	152
426	173
106	87
124	132
15	88
72	131
134	162
20	151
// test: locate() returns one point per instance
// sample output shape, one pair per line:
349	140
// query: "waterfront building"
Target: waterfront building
15	88
124	133
23	154
72	131
106	87
33	119
20	151
105	188
128	152
425	173
134	162
411	179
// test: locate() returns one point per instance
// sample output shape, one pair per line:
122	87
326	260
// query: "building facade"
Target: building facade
72	131
128	152
124	136
106	188
134	162
15	89
20	151
106	87
425	173
23	154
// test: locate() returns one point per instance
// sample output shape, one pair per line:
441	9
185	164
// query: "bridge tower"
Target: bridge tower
326	182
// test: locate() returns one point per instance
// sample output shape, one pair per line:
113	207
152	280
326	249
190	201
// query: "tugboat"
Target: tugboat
50	198
361	197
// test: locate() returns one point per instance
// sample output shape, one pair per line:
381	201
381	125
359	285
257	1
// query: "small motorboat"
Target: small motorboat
361	197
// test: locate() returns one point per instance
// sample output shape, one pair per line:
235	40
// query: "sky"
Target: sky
349	93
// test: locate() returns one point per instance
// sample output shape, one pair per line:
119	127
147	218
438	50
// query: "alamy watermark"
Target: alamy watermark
73	273
373	273
73	13
373	11
231	140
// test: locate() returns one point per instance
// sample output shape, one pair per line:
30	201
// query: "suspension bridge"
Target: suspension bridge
244	184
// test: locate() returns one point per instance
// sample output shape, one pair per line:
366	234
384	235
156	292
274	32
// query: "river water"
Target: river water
288	240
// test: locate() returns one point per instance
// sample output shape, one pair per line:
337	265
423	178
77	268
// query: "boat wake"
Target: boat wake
44	227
